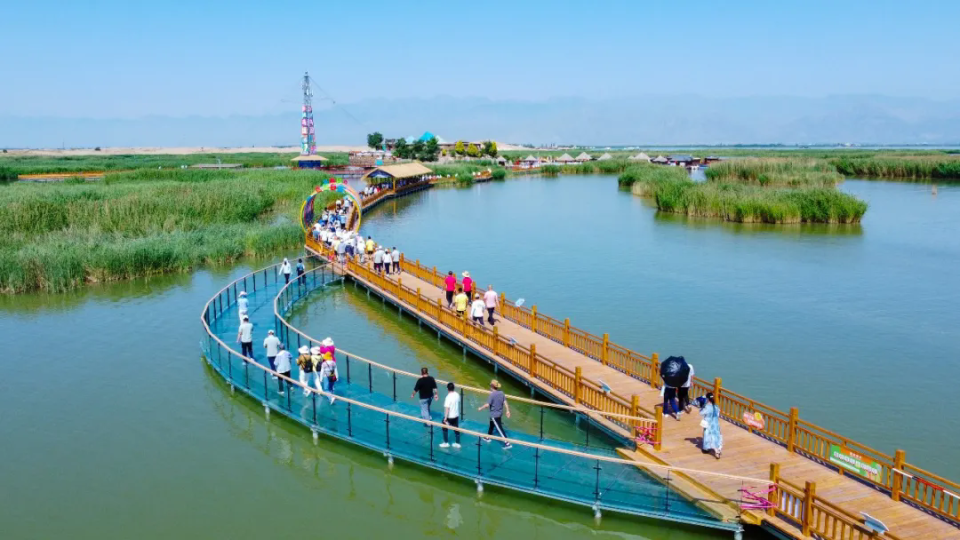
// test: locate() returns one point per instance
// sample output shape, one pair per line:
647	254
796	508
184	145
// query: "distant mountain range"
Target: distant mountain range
646	120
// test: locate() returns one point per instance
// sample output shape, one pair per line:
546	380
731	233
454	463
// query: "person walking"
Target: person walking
426	387
370	246
460	301
468	284
286	270
491	300
477	309
683	393
670	406
245	338
451	415
360	248
242	302
450	284
395	256
283	361
387	261
328	375
497	403
301	272
378	260
316	357
327	346
710	422
305	363
272	345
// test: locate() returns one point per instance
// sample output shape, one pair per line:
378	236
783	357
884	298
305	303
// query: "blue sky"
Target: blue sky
125	59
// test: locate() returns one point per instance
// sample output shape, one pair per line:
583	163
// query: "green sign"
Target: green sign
856	463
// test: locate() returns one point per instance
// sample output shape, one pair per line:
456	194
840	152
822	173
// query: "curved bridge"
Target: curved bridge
367	413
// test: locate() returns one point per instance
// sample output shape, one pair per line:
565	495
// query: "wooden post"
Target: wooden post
773	496
809	492
792	429
496	341
566	332
655	366
658	442
440	311
418	299
717	387
578	381
533	361
399	288
533	325
402	266
605	351
635	408
899	457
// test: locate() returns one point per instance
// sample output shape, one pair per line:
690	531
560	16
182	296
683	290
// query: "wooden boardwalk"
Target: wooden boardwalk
811	498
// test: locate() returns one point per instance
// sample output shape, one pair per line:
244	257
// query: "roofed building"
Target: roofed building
310	161
605	157
640	157
565	158
583	157
398	175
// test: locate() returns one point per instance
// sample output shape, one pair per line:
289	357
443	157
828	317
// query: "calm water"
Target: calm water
110	423
855	325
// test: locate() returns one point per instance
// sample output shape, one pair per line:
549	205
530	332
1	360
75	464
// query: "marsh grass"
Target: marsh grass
776	172
943	166
673	191
58	236
65	164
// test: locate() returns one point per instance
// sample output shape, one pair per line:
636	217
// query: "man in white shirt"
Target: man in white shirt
242	302
377	260
272	345
476	309
396	260
245	337
451	415
283	363
491	299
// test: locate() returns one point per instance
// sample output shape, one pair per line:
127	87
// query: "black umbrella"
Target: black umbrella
675	371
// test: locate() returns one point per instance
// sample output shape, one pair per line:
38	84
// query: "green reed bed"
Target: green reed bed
942	166
463	171
57	236
66	164
673	191
776	172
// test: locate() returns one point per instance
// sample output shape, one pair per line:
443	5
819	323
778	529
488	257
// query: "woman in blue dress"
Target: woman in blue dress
712	438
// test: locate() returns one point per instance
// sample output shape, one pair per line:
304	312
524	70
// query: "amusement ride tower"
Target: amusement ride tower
308	143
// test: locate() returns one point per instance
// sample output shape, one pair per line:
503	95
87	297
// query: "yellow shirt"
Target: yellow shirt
370	245
460	301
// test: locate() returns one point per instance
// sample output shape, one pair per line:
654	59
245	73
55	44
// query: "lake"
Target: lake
109	417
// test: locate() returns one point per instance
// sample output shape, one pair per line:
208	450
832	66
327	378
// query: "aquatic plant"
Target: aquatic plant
57	236
776	172
942	166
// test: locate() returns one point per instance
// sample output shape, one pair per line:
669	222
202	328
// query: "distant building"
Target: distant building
682	160
565	159
312	161
583	157
640	157
660	160
402	174
605	157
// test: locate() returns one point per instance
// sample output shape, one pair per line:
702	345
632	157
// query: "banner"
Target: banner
853	462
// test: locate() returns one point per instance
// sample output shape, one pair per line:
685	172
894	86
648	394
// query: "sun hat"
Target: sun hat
303	350
243	293
466	274
495	383
270	331
327	342
314	350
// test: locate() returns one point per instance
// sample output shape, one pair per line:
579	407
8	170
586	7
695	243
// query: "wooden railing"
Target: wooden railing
902	480
813	515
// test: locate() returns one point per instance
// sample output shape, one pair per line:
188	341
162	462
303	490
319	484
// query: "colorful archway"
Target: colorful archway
308	213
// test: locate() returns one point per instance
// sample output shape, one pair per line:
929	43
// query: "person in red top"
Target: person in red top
467	285
450	282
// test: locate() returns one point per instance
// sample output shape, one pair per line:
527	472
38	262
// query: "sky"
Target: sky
122	60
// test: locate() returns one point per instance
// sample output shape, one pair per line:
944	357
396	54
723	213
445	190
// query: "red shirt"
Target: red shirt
451	282
467	284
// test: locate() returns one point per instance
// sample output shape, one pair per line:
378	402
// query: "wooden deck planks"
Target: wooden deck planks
744	454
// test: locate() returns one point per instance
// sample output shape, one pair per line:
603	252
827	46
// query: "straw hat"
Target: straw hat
243	293
466	274
314	350
495	384
303	350
327	342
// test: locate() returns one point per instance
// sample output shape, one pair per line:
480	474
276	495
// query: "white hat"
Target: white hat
314	350
269	331
327	342
466	274
243	293
303	350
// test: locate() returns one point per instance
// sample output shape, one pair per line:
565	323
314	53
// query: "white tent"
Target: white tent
565	158
640	157
605	157
583	157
